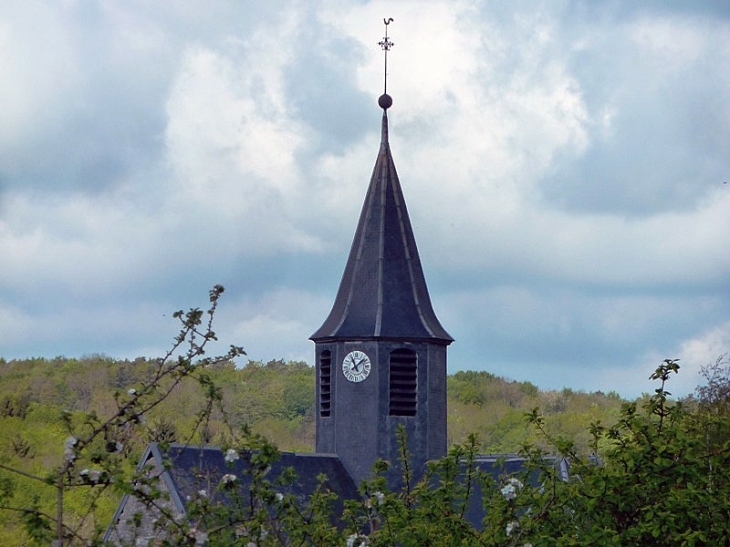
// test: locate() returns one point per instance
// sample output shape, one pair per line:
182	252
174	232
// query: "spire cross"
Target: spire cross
386	44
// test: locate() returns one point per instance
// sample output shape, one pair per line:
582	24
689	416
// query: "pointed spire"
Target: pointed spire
383	291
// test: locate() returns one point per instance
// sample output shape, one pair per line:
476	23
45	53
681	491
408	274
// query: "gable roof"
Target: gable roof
383	291
184	471
195	468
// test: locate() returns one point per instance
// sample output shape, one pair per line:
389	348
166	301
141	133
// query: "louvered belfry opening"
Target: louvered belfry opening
403	383
325	383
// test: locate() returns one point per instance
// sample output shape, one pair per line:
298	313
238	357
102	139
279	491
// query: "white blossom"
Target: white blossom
380	497
509	491
69	454
93	476
132	391
511	527
202	493
200	537
231	455
351	539
228	478
279	496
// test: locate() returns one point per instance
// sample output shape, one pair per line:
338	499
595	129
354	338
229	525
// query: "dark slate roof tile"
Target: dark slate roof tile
383	291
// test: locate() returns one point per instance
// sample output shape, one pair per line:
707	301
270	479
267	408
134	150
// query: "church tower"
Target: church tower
381	352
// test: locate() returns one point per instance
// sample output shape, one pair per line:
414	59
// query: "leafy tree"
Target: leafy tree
712	403
657	484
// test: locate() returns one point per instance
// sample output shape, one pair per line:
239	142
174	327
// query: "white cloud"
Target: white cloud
222	123
15	325
81	245
233	143
654	86
701	350
677	42
37	76
260	323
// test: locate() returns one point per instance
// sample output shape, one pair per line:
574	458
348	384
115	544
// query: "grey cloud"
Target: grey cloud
659	148
321	87
541	332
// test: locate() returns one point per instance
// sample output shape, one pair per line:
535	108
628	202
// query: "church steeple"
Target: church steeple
383	291
381	352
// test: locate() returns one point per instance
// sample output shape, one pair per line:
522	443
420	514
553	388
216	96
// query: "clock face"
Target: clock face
356	366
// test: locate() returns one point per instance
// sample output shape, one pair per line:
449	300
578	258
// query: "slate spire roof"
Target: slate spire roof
383	291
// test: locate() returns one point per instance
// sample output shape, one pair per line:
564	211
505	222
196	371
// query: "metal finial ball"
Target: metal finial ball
385	101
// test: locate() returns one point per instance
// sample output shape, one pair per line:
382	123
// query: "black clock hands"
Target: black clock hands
356	366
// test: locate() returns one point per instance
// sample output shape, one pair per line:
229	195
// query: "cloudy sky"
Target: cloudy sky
566	167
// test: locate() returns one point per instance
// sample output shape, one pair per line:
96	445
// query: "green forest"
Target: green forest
275	399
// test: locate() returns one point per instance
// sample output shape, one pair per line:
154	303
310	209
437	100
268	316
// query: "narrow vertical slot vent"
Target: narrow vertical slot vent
325	384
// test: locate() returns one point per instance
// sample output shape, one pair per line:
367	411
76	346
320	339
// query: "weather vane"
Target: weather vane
386	44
